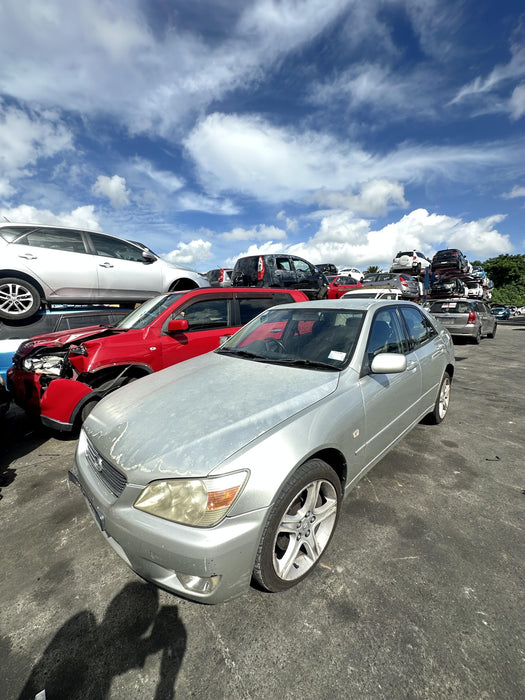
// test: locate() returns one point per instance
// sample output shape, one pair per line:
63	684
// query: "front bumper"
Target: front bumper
165	553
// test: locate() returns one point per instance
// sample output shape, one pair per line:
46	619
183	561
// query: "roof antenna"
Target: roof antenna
5	217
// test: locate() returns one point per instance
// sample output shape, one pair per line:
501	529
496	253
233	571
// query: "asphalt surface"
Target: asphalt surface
420	595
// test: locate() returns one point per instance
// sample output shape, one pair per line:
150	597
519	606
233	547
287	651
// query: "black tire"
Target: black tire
493	334
299	527
18	299
442	401
477	339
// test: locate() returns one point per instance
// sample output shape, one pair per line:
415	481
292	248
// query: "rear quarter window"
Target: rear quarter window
250	308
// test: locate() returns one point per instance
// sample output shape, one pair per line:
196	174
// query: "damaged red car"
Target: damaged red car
62	375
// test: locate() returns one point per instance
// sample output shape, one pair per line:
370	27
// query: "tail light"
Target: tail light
260	269
471	317
221	276
404	283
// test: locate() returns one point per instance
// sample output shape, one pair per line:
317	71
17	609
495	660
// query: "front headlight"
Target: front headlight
195	502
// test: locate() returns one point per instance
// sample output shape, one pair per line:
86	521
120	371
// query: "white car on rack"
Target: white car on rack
59	265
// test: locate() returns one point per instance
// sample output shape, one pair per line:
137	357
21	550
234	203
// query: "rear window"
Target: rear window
450	307
245	271
250	308
13	330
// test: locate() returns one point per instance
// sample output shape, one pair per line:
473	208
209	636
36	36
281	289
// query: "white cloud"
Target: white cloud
516	191
81	217
192	253
25	138
374	199
192	201
114	188
163	178
345	240
129	60
247	154
260	232
517	102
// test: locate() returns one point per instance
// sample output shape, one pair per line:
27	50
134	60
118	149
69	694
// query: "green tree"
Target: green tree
508	274
372	268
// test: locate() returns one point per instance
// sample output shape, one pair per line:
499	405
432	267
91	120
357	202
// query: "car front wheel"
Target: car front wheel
300	526
18	299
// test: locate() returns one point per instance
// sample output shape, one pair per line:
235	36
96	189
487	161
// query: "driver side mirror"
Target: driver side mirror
177	325
148	257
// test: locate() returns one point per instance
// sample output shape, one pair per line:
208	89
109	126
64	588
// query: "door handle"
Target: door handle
28	256
106	264
412	366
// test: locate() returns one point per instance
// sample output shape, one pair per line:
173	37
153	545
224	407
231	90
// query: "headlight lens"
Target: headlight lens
195	502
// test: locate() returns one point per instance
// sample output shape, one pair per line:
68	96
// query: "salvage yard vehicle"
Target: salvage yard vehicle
61	376
59	265
407	284
464	317
410	260
341	284
197	495
283	270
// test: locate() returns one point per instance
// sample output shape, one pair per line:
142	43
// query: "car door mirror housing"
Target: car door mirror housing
177	325
388	363
148	257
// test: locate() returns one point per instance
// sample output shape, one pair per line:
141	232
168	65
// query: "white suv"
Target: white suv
58	265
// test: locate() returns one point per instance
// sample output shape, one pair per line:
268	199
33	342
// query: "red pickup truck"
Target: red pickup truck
61	375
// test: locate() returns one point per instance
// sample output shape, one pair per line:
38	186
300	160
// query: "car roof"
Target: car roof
350	304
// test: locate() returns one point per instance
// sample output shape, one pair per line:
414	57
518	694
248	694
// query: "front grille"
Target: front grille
108	475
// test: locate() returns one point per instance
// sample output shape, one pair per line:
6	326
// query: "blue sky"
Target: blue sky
339	130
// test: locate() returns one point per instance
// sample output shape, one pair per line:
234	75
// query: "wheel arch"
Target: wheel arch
99	378
6	272
182	284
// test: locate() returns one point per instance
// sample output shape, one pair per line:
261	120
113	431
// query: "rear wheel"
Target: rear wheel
477	338
300	526
492	335
18	299
442	401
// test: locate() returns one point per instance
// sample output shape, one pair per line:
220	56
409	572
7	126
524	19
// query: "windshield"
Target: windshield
302	337
148	311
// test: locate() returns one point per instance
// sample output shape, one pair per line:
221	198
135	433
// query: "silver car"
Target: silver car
59	265
465	317
198	495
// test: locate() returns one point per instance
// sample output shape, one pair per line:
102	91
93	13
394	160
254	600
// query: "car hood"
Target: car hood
187	419
59	339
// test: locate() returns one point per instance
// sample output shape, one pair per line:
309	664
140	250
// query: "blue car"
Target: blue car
500	312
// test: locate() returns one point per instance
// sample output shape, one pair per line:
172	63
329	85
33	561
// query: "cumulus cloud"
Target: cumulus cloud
260	232
114	188
374	199
249	155
191	254
343	239
164	179
81	217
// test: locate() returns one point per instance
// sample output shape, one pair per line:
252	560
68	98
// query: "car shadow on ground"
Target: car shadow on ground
84	656
20	435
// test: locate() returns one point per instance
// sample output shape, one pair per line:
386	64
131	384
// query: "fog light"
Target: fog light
199	584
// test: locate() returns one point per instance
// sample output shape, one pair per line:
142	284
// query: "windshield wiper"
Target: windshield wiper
241	353
306	363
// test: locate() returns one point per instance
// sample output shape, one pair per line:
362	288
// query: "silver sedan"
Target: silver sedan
199	494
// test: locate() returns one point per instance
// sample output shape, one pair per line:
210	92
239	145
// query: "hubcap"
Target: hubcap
305	530
444	398
15	299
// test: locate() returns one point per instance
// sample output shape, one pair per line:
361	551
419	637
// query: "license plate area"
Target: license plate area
97	516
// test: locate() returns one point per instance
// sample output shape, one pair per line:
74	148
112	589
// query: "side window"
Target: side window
250	308
115	248
302	266
282	263
419	327
206	314
55	239
386	335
